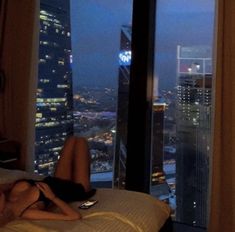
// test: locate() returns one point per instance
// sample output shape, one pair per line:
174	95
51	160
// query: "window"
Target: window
159	141
182	102
101	59
84	65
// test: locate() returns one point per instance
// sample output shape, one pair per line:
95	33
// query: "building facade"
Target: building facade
122	106
54	115
193	133
157	175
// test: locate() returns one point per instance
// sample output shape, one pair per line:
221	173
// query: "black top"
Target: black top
66	190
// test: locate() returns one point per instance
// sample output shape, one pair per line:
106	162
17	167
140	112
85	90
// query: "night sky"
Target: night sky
96	25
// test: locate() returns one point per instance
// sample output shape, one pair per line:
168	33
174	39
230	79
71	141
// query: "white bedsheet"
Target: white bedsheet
116	211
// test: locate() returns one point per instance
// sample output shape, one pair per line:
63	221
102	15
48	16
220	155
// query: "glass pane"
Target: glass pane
97	32
82	48
181	129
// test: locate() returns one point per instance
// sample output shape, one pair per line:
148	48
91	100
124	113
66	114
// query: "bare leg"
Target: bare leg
74	162
64	165
81	163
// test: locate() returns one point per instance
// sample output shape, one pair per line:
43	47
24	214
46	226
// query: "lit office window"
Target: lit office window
182	103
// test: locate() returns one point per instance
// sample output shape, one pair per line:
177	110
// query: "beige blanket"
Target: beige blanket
116	211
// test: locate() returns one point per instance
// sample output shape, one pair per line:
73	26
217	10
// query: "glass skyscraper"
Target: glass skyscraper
157	175
122	106
193	133
54	116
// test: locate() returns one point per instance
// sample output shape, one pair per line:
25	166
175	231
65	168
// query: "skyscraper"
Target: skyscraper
157	142
122	113
158	178
54	120
159	186
193	123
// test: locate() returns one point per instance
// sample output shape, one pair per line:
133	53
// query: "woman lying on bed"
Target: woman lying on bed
30	199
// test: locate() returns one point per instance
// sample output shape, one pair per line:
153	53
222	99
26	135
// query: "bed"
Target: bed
116	211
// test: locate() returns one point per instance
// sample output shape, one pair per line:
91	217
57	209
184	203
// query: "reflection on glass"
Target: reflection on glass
181	126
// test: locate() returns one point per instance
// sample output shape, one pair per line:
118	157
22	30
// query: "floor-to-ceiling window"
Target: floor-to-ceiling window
182	103
101	32
83	83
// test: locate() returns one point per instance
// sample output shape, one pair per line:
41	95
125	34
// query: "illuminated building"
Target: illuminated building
122	113
158	142
54	121
158	177
159	186
193	123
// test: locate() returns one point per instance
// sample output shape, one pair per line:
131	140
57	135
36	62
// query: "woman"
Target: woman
30	199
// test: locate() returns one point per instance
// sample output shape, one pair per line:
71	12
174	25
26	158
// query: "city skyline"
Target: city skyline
95	28
95	58
98	109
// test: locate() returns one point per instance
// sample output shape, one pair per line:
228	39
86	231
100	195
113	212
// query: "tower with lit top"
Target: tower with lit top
193	133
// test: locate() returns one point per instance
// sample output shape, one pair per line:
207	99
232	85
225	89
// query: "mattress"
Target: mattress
116	211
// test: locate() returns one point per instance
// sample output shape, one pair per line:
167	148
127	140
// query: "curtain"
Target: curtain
222	205
19	62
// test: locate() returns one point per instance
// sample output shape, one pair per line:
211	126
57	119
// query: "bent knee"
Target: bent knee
76	139
81	140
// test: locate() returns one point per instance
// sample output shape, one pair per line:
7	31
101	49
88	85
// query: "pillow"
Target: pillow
9	176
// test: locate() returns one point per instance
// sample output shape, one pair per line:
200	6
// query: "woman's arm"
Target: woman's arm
67	212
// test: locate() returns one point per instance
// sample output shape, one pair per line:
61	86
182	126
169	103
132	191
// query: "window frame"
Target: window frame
138	167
